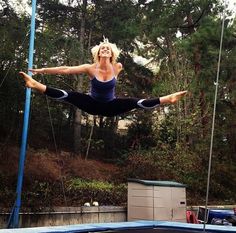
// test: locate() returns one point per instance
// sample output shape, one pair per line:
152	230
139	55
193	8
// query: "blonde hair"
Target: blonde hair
115	51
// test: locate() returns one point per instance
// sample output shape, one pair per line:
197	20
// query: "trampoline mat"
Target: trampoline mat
155	230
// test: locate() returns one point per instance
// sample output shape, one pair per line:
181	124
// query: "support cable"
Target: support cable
10	67
56	150
213	119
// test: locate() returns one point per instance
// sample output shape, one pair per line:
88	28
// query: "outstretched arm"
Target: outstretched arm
63	70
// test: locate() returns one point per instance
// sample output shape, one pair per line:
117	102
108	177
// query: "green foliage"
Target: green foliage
140	134
6	193
103	192
39	196
181	165
96	185
118	20
13	31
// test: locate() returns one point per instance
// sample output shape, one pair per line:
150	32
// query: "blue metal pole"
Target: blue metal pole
14	218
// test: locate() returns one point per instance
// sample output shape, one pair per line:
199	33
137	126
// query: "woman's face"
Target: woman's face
105	51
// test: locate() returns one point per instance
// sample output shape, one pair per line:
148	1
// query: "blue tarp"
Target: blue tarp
221	214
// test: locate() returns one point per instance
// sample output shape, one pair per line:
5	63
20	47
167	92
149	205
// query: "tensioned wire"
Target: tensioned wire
56	150
213	118
21	45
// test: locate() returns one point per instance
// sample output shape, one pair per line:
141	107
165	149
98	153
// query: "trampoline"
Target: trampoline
127	227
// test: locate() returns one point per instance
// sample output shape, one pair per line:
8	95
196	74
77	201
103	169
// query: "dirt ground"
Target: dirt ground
44	165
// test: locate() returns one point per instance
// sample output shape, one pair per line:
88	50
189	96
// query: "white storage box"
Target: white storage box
156	200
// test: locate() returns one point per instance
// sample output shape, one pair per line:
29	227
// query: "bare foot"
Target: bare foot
176	96
172	98
31	83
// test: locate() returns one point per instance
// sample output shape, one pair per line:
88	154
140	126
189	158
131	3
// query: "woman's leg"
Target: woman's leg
82	101
123	105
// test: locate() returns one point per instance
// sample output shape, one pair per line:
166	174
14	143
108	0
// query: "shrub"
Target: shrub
81	191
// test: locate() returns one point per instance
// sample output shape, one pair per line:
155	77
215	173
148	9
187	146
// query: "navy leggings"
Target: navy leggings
88	104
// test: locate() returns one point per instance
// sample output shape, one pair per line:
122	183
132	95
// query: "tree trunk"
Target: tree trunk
78	113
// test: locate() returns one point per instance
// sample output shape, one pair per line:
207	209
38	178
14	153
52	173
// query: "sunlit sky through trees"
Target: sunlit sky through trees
21	5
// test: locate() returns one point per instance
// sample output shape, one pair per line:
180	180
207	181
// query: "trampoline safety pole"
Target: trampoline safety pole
13	221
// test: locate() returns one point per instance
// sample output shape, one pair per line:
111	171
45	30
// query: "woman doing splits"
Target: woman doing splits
103	75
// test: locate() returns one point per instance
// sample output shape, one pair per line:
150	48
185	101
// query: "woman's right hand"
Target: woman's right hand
37	71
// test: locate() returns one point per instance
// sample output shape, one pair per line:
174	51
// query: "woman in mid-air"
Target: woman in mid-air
103	75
